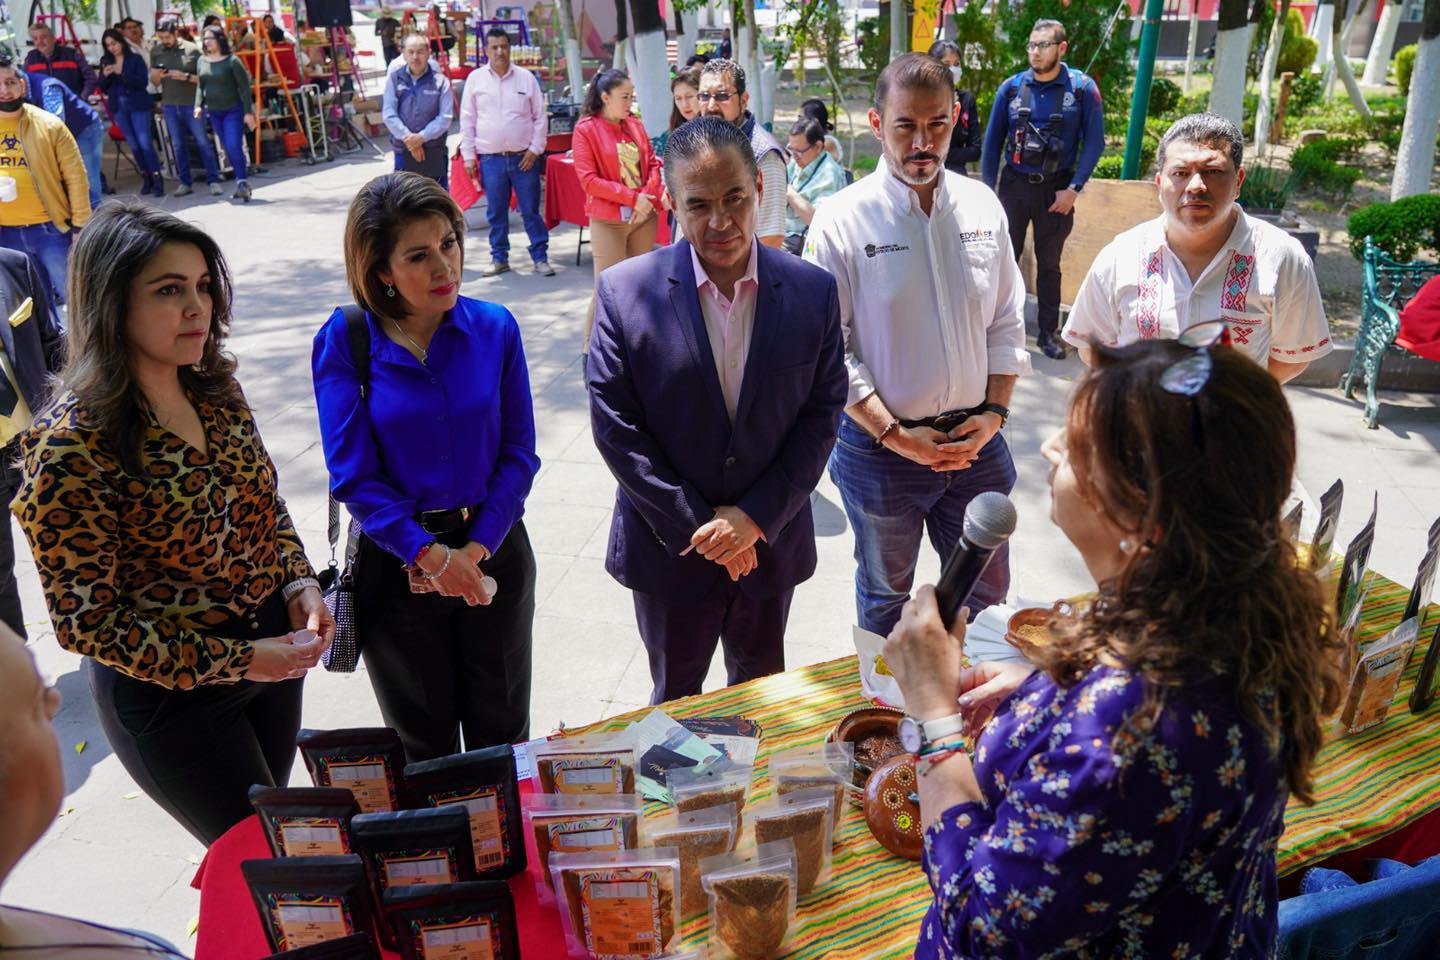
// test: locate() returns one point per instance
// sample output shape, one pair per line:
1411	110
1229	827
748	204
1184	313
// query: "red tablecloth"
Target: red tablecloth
230	928
565	200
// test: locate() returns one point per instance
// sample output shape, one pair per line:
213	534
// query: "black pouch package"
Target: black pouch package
457	921
368	761
1326	526
483	783
305	821
413	848
304	901
1357	562
361	946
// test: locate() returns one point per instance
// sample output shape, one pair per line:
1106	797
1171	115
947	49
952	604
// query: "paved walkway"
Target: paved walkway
114	857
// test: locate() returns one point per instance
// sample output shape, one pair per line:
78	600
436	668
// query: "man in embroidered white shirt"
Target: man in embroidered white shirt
1204	259
931	305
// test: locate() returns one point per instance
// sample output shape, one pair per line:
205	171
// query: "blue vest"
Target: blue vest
1055	113
417	101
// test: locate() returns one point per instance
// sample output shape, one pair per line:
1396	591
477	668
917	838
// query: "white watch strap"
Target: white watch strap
942	727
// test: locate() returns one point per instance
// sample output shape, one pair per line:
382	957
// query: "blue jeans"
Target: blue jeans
443	180
230	125
891	501
135	124
178	120
91	142
49	250
499	174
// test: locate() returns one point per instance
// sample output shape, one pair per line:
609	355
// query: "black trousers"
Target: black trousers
198	752
1028	203
10	613
441	667
680	637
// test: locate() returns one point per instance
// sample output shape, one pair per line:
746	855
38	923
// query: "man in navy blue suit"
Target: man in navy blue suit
716	378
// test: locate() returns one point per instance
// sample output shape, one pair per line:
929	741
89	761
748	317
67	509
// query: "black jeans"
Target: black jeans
10	613
1026	203
198	752
441	667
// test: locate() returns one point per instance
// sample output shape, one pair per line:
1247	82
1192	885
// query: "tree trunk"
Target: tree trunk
1347	73
1232	50
750	53
1415	161
1320	31
574	69
650	68
1190	43
622	34
1377	64
1267	79
1346	13
685	38
899	29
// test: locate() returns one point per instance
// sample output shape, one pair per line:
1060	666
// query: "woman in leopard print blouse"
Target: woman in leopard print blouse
165	551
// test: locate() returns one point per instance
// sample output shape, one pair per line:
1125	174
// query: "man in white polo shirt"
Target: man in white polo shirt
931	307
1204	259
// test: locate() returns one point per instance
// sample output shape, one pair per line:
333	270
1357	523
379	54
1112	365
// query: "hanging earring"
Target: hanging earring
389	290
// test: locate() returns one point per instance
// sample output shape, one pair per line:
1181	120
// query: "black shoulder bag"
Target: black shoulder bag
338	586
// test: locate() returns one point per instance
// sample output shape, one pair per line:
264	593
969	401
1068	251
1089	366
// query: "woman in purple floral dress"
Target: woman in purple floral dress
1125	798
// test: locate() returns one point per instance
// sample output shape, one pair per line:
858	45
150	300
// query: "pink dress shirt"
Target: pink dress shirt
729	324
502	114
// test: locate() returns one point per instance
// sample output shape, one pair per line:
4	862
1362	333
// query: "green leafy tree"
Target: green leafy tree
1086	26
985	60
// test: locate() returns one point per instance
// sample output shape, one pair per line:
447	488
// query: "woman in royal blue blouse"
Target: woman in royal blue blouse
1126	797
434	460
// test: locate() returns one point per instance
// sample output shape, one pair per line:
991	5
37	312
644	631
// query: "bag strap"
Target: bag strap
357	331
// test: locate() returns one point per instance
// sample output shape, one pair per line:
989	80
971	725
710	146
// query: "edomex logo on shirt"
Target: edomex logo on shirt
873	250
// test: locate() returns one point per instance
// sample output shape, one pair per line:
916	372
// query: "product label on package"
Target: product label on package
622	916
487	812
432	866
595	833
582	775
368	779
464	940
304	923
311	837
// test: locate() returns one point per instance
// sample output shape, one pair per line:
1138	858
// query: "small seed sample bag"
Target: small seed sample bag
368	761
305	821
698	835
564	823
599	763
716	785
821	765
454	921
752	901
483	783
619	905
804	817
411	848
304	901
359	946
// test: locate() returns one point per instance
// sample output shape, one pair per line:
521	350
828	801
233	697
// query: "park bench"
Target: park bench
1389	285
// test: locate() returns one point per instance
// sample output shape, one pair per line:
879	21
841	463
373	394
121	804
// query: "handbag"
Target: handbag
337	585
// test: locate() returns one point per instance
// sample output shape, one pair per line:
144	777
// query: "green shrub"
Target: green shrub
1265	188
1305	92
1316	166
1164	95
1109	167
872	36
1192	103
1404	66
1402	229
1297	55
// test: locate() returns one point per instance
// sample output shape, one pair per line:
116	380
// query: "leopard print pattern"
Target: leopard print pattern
138	574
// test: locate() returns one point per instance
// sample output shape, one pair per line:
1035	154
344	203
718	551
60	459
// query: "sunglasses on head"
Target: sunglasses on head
1187	377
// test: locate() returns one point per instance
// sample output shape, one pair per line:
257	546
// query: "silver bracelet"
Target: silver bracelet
443	567
296	587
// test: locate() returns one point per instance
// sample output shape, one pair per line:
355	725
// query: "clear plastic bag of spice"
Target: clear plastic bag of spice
819	765
752	898
561	823
720	784
698	835
619	905
595	764
804	817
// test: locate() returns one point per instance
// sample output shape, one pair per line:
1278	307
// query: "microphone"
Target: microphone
989	521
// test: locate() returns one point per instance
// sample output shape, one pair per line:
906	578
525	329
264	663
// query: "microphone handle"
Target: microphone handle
961	572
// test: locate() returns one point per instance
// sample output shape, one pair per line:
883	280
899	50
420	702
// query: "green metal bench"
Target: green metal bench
1389	285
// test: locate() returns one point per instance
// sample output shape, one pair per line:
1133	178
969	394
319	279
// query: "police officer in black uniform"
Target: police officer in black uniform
1045	134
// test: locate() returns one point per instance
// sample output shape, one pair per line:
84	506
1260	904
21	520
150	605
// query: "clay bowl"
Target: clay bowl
891	812
868	722
1034	617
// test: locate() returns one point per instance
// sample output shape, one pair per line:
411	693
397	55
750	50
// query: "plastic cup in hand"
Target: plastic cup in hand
489	585
302	637
9	191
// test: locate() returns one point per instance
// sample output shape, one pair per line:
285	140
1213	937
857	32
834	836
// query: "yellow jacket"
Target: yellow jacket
56	167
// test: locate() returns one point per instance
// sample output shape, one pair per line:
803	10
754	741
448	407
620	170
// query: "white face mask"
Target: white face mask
955	73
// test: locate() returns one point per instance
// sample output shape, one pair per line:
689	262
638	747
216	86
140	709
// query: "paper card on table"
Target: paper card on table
875	684
659	729
737	738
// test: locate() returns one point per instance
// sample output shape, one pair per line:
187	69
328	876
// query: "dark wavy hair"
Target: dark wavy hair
689	77
113	34
109	255
222	42
382	208
1216	587
604	82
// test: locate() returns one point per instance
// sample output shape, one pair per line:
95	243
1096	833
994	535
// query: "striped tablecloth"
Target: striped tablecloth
1367	786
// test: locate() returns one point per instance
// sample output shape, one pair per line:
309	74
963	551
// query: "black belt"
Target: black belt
507	153
445	521
1065	175
944	422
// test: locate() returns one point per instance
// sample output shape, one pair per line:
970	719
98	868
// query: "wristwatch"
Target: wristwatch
917	735
1003	411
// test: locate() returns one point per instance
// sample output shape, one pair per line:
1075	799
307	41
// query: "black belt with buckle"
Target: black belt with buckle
944	422
441	522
